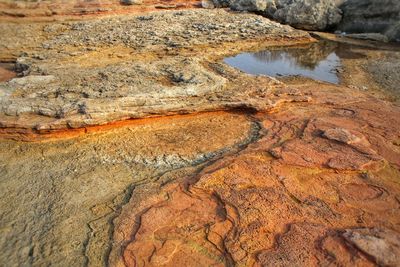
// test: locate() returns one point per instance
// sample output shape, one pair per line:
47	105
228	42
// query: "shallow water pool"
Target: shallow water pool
319	61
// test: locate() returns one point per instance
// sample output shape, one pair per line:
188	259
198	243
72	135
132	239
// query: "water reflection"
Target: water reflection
318	61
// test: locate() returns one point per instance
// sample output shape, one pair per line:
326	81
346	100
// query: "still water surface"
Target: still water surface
319	61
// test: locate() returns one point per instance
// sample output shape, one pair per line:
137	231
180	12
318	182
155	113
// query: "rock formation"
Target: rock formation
248	5
76	93
302	14
372	16
240	202
305	14
126	141
368	18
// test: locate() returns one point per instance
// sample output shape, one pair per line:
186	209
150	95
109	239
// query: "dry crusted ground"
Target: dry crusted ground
262	173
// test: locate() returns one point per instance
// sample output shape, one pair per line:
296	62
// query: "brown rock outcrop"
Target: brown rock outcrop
61	196
286	211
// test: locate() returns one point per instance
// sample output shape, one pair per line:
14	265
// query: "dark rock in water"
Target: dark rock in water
372	16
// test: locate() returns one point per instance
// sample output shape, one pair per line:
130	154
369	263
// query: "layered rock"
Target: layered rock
260	208
58	205
210	188
69	77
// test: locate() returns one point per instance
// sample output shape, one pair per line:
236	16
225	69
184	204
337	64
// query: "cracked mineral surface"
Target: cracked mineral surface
126	141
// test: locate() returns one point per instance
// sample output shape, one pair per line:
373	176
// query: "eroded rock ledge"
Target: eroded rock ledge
81	74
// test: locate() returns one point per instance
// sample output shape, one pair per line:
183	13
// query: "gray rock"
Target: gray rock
381	244
305	14
372	16
209	4
222	3
249	5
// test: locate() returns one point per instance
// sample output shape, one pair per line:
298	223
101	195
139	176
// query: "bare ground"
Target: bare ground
261	173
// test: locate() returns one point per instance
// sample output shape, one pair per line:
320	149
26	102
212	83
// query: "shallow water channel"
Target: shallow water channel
319	61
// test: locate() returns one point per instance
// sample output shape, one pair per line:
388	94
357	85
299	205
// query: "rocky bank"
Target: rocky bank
372	16
145	64
126	141
367	19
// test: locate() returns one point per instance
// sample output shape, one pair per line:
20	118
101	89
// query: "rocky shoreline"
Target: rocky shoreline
126	141
101	60
365	19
